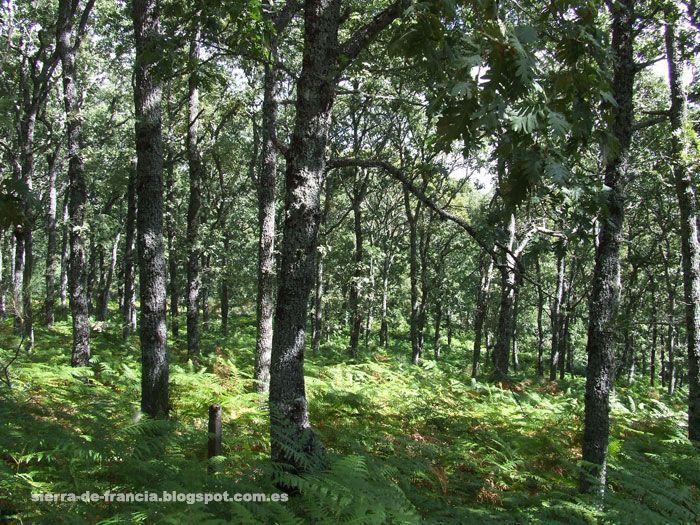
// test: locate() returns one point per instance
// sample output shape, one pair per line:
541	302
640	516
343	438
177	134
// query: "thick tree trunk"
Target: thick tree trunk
129	300
482	305
303	181
688	207
196	172
605	289
54	165
77	188
149	187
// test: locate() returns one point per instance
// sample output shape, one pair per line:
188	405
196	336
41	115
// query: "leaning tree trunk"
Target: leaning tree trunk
196	171
51	241
149	185
688	207
605	290
77	196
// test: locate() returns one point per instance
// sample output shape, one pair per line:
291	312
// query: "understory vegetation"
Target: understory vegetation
406	444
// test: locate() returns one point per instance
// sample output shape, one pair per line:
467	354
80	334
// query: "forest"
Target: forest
418	261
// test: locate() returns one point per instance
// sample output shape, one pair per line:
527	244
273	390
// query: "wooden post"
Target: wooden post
214	445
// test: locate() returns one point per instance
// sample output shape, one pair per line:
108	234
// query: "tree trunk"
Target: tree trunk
384	313
540	312
354	298
482	305
54	165
196	172
129	300
63	285
77	196
414	320
687	205
103	302
556	353
605	288
508	269
149	186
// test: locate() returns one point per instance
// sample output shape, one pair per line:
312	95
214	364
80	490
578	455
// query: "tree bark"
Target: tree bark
77	190
149	186
103	299
482	305
509	279
688	207
129	301
605	289
196	173
557	316
63	283
540	312
54	165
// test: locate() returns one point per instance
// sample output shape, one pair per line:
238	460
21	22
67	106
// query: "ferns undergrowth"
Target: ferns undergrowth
406	444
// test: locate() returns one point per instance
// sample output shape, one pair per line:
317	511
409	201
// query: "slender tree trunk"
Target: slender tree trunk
54	165
224	288
540	312
196	171
412	217
605	289
318	303
437	347
482	304
77	196
354	298
688	207
129	301
3	249
556	352
149	186
173	273
103	302
63	283
384	313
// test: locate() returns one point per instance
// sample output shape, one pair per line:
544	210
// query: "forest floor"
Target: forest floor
406	444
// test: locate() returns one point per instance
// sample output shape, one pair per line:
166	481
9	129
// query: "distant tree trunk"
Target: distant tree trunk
196	172
318	303
437	348
103	302
3	249
412	217
149	184
654	334
557	316
63	283
224	288
359	191
540	326
482	304
204	293
605	288
129	300
514	329
54	165
17	277
688	207
384	313
173	270
448	322
77	196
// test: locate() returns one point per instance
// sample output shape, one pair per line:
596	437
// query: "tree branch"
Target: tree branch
364	36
